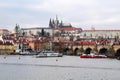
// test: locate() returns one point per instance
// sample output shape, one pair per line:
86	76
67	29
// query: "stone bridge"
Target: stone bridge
96	49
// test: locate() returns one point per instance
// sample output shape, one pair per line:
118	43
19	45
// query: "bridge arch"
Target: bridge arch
103	50
117	53
76	51
110	50
88	50
66	50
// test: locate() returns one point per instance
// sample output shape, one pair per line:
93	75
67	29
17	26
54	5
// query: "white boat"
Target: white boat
92	56
49	54
24	53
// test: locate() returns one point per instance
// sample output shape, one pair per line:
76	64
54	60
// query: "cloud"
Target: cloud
80	13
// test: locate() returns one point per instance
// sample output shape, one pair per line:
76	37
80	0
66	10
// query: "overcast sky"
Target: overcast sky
101	14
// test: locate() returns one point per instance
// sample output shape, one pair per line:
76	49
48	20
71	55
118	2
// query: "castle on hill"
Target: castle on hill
58	24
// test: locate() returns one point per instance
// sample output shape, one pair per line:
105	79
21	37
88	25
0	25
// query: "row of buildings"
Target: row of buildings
53	37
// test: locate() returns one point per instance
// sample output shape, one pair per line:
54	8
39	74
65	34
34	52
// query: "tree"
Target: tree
23	34
17	31
42	32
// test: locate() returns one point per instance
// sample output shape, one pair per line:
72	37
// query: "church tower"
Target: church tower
61	24
17	31
51	24
56	22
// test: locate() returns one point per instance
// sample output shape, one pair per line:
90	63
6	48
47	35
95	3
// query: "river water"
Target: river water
58	68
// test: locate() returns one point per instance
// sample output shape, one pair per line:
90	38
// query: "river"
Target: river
15	67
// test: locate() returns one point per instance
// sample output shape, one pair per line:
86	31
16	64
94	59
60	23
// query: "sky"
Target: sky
85	14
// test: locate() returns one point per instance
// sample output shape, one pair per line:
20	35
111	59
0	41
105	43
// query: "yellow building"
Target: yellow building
6	46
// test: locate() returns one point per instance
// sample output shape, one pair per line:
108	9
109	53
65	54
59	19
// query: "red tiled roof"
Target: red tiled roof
84	42
1	42
29	36
12	34
116	43
6	43
39	41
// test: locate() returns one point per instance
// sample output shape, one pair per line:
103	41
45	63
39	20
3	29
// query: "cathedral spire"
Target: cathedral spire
56	22
61	24
50	24
56	17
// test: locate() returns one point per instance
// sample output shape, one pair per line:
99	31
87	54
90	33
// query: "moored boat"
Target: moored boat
49	54
92	56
